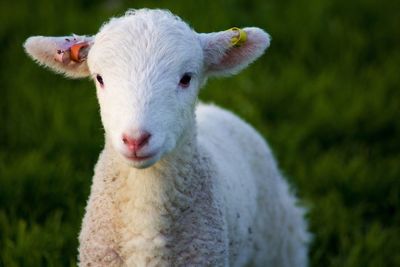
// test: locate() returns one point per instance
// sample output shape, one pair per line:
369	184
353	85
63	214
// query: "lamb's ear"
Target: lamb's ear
65	55
228	52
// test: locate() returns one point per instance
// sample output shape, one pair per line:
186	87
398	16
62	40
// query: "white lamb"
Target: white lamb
177	184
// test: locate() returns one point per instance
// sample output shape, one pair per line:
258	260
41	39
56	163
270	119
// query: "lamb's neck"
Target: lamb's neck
169	181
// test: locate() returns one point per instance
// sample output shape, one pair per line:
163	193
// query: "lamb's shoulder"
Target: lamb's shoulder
237	148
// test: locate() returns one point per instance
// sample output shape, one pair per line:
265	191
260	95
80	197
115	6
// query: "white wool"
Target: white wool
209	192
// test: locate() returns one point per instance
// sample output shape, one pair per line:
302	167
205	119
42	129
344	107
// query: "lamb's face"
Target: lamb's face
147	74
148	66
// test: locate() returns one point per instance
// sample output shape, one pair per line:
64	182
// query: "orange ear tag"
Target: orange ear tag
75	49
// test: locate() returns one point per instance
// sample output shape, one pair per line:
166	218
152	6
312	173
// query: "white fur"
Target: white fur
211	194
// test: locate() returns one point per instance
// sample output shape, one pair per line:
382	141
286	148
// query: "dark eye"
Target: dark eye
185	80
100	79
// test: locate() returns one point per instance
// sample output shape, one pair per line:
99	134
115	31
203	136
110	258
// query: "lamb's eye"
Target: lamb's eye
185	80
100	79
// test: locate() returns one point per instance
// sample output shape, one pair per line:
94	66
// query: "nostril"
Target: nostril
125	139
143	139
135	144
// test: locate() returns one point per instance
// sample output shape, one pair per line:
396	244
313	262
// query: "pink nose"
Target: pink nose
135	144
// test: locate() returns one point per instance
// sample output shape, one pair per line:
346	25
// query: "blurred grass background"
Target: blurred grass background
326	96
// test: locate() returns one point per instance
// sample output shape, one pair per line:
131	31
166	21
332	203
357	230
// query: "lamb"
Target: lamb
179	183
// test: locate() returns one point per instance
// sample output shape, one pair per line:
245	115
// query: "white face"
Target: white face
147	83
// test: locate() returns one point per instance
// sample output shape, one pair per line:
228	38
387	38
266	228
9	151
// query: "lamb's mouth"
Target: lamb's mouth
142	161
137	158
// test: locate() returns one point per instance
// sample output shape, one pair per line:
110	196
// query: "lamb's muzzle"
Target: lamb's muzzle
135	144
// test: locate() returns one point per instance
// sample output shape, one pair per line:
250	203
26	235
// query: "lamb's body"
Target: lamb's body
175	185
264	224
217	201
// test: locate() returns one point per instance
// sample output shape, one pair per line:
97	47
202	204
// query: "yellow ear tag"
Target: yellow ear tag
240	38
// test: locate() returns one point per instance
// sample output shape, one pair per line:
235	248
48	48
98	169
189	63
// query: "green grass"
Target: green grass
326	96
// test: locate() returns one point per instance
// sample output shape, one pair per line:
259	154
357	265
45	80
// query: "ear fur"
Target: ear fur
66	55
223	58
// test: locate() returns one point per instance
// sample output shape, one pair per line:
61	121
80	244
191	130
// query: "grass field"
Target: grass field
326	96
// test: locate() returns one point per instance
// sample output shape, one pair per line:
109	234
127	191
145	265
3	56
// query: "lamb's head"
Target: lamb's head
148	67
